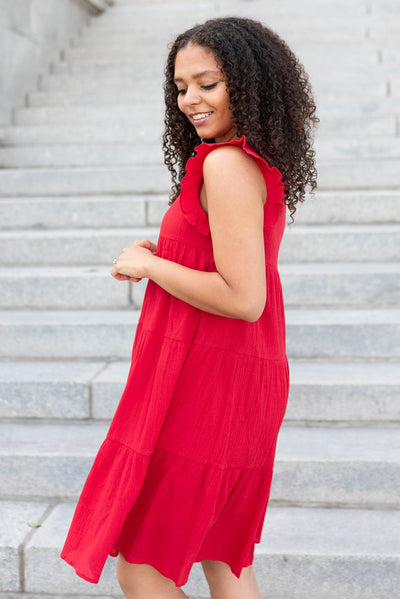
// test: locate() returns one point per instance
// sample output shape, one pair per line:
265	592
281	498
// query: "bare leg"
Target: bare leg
142	581
225	585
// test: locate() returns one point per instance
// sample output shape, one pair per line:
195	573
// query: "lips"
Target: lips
200	117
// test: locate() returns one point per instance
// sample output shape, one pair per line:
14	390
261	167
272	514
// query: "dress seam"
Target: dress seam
199	247
232	351
211	465
139	453
282	360
164	336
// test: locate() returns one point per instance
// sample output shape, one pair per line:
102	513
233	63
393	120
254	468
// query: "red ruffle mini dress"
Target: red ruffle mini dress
185	471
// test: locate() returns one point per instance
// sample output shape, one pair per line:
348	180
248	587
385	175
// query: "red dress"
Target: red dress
185	471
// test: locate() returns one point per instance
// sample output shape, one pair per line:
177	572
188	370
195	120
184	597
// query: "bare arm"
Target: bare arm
235	191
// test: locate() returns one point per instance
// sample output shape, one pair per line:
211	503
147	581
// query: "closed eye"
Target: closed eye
206	87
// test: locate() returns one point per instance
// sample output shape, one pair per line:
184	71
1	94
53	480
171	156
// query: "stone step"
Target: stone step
314	466
66	288
376	243
112	96
89	180
115	154
365	243
83	84
133	114
348	466
156	46
333	174
98	211
165	30
389	8
389	56
338	285
14	534
349	553
294	36
129	57
70	335
112	24
122	79
109	133
274	6
364	126
87	246
345	74
358	207
327	107
102	211
108	334
348	91
89	155
362	394
358	8
135	15
150	70
49	390
341	285
343	333
54	115
395	88
349	55
379	147
130	52
84	154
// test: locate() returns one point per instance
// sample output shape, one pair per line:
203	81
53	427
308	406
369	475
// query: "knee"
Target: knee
220	572
215	570
124	576
212	568
142	581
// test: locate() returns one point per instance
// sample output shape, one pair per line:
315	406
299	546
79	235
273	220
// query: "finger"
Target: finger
153	247
145	243
120	277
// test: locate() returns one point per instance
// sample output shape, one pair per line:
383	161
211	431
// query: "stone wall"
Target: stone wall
32	33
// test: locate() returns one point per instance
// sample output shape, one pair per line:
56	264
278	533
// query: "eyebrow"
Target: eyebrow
198	75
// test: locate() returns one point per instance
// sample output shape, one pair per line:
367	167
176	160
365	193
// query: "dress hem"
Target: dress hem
177	582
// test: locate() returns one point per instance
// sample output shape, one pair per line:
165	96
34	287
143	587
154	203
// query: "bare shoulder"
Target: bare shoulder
236	162
228	156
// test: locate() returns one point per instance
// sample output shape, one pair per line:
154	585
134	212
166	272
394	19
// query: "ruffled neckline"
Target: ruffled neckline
191	183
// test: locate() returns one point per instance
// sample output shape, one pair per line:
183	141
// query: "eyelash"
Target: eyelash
206	87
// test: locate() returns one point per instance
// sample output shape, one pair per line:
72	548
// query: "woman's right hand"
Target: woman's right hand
145	243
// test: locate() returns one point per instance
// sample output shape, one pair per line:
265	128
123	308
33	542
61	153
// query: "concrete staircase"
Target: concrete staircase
83	177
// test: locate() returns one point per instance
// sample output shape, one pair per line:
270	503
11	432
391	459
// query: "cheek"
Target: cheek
179	102
225	106
227	112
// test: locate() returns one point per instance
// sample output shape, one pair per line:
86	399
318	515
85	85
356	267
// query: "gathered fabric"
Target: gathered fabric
185	471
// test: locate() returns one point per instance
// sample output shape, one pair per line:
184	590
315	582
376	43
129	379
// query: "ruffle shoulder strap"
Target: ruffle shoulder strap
191	184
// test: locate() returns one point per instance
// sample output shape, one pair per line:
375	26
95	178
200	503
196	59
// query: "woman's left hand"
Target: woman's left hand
132	263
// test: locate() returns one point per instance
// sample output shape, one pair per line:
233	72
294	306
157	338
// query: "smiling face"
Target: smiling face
202	93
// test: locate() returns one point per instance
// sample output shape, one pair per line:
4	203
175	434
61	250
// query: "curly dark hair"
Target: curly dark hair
271	100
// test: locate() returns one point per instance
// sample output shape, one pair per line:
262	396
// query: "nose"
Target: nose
191	96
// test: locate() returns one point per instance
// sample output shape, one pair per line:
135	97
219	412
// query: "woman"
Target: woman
185	471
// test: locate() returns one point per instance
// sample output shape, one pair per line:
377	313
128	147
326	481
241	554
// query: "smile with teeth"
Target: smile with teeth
201	115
